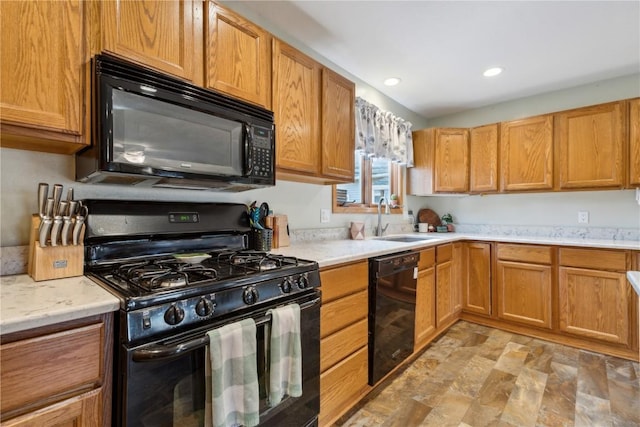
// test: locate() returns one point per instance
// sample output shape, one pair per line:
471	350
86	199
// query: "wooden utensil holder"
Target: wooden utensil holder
53	262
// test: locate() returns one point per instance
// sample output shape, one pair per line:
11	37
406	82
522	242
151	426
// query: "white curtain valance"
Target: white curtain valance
381	134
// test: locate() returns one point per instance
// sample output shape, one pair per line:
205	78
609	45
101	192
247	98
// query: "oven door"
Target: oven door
163	383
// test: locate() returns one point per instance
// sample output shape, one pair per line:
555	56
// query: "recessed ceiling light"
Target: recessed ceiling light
492	72
392	81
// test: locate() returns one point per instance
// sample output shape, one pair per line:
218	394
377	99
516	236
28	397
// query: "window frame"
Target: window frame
396	185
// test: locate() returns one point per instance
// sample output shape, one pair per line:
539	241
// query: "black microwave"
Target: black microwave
151	129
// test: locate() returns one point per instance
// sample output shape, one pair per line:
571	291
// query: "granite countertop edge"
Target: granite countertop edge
26	304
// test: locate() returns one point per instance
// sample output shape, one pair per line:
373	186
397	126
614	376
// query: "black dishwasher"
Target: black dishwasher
392	311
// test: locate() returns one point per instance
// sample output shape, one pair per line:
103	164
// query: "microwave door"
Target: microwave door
174	140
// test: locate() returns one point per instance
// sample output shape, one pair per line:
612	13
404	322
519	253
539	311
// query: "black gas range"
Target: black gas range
179	270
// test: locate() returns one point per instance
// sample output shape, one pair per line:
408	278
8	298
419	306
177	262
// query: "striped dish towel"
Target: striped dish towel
285	354
232	396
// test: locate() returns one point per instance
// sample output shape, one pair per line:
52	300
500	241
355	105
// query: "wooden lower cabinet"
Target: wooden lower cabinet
445	293
57	375
425	324
477	282
524	284
343	339
342	385
596	301
82	410
524	293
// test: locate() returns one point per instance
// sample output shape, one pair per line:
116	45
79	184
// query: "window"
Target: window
374	178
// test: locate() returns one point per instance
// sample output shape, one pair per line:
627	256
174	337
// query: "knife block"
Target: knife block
52	262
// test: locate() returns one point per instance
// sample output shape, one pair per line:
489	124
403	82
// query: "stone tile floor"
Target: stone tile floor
478	376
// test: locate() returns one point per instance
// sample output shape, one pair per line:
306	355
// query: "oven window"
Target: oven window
161	135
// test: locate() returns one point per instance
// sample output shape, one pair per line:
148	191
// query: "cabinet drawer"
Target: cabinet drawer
525	253
337	346
343	312
593	258
427	258
341	385
443	252
342	281
39	368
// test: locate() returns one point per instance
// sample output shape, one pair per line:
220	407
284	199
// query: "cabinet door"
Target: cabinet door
296	85
634	142
483	159
159	34
41	66
451	166
591	144
594	304
420	177
338	126
444	297
425	307
524	293
477	286
238	56
526	155
83	410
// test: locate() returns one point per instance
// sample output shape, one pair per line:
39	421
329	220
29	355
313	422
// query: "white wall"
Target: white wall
607	208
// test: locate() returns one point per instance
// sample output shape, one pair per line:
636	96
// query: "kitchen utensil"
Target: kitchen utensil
73	207
43	193
63	208
77	229
264	211
70	194
66	230
57	195
56	229
429	216
43	234
48	210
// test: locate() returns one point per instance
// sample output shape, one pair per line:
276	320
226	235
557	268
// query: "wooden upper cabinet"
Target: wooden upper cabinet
238	56
634	142
441	161
590	143
526	154
483	159
338	126
42	64
296	86
165	35
451	161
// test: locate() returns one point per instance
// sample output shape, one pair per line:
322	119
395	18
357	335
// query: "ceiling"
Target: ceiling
440	48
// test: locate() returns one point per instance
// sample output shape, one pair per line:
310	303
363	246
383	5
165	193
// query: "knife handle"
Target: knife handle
63	209
73	207
66	228
77	229
56	229
45	226
57	195
49	207
43	193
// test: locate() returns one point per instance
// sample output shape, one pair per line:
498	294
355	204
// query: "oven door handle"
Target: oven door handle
155	352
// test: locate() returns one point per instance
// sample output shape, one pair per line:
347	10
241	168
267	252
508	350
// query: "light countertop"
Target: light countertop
333	252
25	304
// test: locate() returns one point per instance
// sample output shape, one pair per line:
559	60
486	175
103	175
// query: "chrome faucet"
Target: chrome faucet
379	229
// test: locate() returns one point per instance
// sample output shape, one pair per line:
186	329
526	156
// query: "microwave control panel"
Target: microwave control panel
262	152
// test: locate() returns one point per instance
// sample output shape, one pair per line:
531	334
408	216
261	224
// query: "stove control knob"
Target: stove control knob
174	315
250	295
286	285
303	281
205	307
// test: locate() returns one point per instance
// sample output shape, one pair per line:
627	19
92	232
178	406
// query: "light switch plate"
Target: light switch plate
325	215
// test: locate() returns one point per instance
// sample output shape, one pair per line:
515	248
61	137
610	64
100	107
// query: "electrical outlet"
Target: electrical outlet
325	215
583	217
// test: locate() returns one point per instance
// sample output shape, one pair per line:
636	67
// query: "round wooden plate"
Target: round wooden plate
429	216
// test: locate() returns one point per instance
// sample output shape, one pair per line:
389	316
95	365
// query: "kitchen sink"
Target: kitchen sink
406	239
